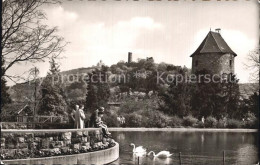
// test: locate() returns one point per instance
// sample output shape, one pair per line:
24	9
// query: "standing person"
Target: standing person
203	121
123	120
79	117
72	115
93	117
119	120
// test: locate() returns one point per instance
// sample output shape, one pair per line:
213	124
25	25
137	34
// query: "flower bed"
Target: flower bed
45	143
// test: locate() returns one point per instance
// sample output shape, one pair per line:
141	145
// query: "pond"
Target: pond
196	147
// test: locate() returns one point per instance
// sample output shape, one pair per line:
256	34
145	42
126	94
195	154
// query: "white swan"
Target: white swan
139	149
162	154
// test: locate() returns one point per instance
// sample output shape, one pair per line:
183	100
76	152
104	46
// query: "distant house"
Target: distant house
22	114
150	59
100	64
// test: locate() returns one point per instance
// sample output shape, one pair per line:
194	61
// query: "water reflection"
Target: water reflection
121	136
196	147
244	152
142	159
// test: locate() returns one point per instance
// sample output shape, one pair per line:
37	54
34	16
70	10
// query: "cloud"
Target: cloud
140	22
57	16
94	41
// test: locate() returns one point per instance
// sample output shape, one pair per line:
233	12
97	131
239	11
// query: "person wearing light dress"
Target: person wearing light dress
79	117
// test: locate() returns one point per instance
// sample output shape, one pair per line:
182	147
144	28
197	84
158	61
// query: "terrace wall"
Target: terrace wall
85	146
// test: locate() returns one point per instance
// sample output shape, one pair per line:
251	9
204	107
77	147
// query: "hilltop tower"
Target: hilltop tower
213	55
129	57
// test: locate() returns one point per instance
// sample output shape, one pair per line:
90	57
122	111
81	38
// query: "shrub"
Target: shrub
251	121
129	107
233	123
133	106
252	124
157	119
133	120
200	124
111	120
211	122
221	123
189	121
176	121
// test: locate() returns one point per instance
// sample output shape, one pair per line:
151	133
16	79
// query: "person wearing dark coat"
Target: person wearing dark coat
96	121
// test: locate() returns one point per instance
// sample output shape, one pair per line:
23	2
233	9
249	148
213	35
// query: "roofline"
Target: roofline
192	55
210	32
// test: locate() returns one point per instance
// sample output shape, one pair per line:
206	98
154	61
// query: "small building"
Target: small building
214	55
100	64
23	114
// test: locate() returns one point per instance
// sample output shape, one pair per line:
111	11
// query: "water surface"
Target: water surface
196	147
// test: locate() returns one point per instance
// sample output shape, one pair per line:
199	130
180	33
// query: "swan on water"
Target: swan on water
162	154
139	149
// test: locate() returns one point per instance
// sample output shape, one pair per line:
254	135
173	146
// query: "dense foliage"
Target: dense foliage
5	96
53	100
147	101
98	90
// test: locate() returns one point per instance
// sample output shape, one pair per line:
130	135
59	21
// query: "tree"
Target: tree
5	96
231	93
98	90
53	101
216	98
251	105
33	78
207	100
176	99
24	37
253	64
91	97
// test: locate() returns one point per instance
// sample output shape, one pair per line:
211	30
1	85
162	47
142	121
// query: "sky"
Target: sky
168	31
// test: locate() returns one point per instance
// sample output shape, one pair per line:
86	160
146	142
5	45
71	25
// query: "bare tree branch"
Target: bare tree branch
24	37
253	64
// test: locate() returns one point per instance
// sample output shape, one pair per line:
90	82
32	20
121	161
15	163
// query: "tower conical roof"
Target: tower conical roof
213	43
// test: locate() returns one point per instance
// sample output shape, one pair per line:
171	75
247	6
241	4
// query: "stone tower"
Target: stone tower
214	55
129	57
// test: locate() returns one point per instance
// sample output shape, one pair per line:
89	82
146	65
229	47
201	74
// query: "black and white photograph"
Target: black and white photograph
130	82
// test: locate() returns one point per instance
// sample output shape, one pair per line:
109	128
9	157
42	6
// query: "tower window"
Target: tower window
196	63
230	63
